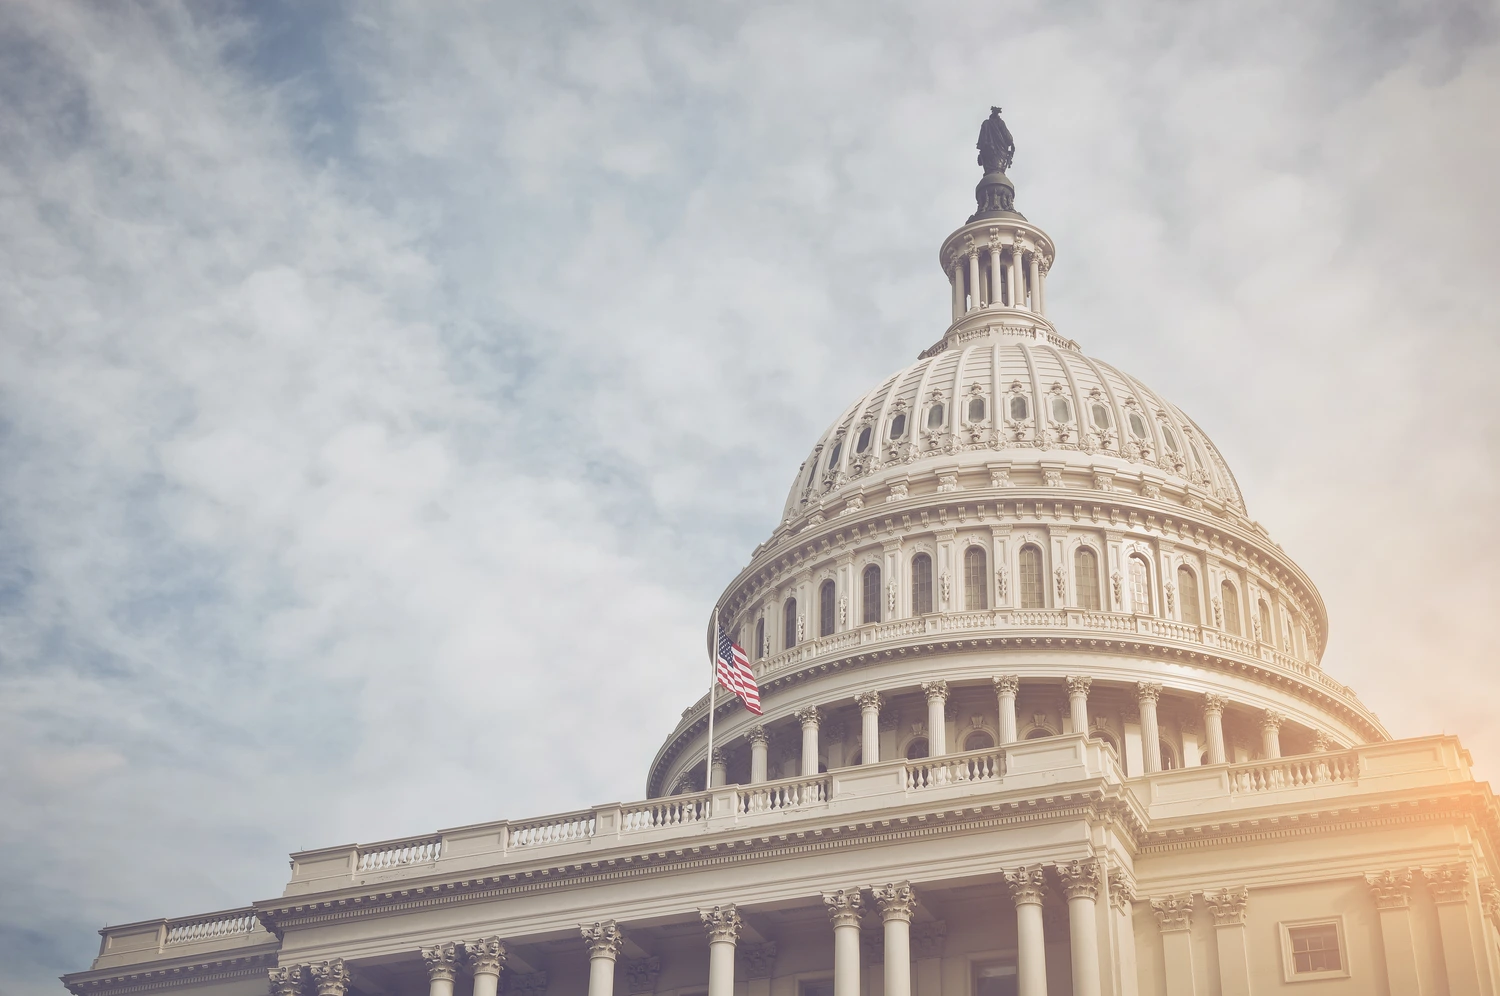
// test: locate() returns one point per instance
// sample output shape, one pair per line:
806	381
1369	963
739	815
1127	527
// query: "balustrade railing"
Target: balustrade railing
553	829
674	812
212	927
951	769
768	797
394	854
1294	772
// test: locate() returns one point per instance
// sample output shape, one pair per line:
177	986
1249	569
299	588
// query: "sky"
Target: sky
387	389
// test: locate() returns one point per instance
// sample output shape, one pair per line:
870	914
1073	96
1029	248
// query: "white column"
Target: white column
485	957
1081	881
997	295
603	940
958	288
937	722
442	968
331	978
1174	917
1391	891
1146	694
1036	283
1231	939
759	743
722	924
1017	282
1026	886
1213	726
718	769
869	714
1078	702
844	908
809	718
1041	286
1006	687
973	279
1270	733
1449	887
897	903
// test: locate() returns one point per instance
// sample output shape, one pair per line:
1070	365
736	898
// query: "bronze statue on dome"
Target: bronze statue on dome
996	146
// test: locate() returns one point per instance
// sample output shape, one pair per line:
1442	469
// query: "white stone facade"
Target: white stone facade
1043	715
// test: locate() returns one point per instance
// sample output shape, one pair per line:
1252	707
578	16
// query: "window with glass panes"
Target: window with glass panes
826	609
1315	948
1033	588
1140	593
921	584
976	585
1086	577
1187	596
870	590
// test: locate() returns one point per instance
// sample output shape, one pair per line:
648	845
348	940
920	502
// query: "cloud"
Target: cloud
384	396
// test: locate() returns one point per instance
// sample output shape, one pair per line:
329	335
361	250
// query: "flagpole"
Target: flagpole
713	686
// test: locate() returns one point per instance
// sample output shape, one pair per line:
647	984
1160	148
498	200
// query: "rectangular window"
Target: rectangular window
1313	950
996	978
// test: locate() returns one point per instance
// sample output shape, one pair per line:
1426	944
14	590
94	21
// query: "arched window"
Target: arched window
1267	634
833	457
789	624
978	740
1019	409
1231	602
1106	738
917	749
921	584
1086	577
898	425
1033	589
826	609
1299	633
1168	757
1187	596
863	442
935	416
976	585
870	588
1140	592
976	409
1039	733
760	638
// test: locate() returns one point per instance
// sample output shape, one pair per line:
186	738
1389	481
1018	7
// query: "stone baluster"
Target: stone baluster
1027	886
1081	882
844	908
1078	702
759	744
1213	725
1391	891
1006	687
869	714
485	957
809	718
1231	938
973	279
1270	734
286	980
1174	917
1146	694
996	294
331	978
722	925
897	903
604	940
718	770
937	722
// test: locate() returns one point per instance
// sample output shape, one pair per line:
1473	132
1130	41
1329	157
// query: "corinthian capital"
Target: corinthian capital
1007	684
1173	912
1448	884
1271	720
603	938
809	716
896	901
759	736
485	955
935	690
330	977
868	701
721	923
441	961
286	980
1121	890
1391	890
1078	685
1228	905
1027	885
1080	879
1215	703
844	906
1147	691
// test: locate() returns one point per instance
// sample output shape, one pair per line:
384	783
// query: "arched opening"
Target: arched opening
789	624
1107	739
1187	596
1039	733
921	584
870	593
1230	600
760	638
917	749
1168	757
978	740
1086	577
1140	581
1267	634
976	586
827	609
1033	588
854	759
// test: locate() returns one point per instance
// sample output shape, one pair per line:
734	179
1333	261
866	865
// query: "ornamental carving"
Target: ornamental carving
1078	685
286	980
809	716
1218	604
1391	890
1149	489
1147	691
927	939
1052	478
721	923
641	974
1080	879
1103	482
759	959
1448	884
890	596
935	690
1121	891
947	483
1228	906
898	490
1001	478
1173	912
1489	898
1214	704
896	900
1001	586
1007	684
1322	742
868	701
801	627
1061	580
843	610
603	939
529	984
853	505
945	586
1027	885
1171	590
758	736
331	978
1271	720
844	907
1115	583
484	955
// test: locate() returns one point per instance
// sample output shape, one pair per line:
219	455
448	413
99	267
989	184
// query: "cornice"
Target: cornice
134	979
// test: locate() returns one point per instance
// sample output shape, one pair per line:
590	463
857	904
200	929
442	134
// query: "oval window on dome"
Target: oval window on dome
935	416
1197	453
833	457
863	442
976	409
812	471
1019	409
1137	425
1061	410
1100	415
898	425
1170	437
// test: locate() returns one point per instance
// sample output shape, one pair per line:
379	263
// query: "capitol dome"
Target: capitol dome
1010	539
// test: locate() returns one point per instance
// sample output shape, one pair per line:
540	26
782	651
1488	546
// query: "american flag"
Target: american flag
733	667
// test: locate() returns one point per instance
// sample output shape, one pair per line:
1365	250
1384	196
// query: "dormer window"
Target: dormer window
1100	415
1019	409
